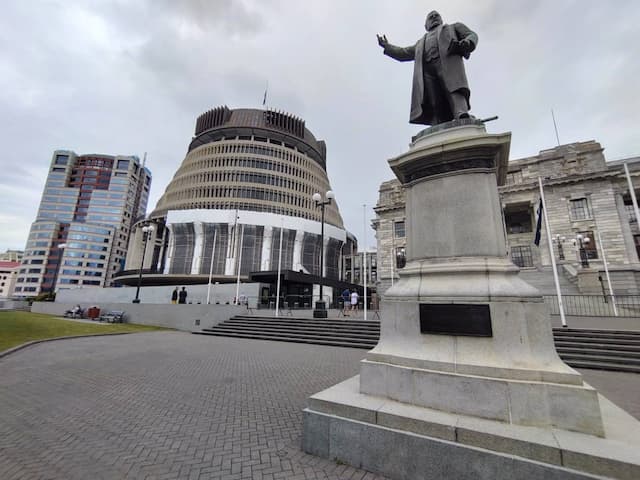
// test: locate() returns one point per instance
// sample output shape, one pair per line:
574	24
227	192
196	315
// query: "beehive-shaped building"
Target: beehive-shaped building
248	173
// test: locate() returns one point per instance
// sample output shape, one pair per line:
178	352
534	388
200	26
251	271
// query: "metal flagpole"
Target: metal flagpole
632	192
551	254
555	126
239	264
279	270
364	255
213	252
393	249
232	247
606	271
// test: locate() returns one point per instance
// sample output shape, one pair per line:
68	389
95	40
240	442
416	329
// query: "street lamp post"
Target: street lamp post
321	307
147	230
559	240
582	241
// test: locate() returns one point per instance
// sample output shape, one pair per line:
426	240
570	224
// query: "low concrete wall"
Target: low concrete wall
13	304
180	317
221	293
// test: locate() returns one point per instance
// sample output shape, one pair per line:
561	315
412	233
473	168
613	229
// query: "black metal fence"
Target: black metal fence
595	305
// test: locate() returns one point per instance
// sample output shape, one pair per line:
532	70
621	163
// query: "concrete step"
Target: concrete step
599	346
279	328
597	351
594	365
608	359
618	340
597	341
306	321
295	334
334	328
595	331
281	338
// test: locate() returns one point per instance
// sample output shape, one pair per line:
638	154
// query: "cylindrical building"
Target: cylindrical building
248	174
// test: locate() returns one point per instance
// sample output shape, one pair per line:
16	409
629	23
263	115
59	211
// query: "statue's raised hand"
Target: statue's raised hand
382	40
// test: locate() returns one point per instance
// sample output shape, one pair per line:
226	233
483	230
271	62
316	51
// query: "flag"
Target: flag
264	99
536	240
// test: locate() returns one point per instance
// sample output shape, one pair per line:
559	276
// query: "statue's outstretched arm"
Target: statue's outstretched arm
401	54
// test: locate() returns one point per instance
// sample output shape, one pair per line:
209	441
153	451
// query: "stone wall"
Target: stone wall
180	317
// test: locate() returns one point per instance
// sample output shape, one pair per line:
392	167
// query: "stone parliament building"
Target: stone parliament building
584	195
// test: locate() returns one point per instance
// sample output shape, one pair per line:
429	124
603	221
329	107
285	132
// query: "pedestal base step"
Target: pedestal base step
407	442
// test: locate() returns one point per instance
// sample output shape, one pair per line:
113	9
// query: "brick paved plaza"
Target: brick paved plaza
173	405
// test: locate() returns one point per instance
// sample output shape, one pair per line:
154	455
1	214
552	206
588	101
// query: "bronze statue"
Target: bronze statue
440	89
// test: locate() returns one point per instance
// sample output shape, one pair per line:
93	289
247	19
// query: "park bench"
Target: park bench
113	316
74	313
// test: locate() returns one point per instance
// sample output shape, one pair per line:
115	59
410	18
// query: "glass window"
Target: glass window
401	257
579	209
71	272
398	229
123	165
517	219
522	256
62	159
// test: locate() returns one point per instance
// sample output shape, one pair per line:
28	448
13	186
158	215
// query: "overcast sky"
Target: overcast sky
131	76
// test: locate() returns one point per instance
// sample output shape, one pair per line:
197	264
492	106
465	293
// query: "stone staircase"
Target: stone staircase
579	348
542	279
616	350
334	332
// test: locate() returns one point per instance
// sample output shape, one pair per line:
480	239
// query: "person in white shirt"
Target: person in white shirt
354	300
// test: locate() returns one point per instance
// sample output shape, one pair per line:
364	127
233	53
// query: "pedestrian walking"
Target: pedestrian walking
346	299
354	300
182	296
174	296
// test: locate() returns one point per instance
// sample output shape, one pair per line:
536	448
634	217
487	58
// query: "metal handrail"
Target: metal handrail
595	305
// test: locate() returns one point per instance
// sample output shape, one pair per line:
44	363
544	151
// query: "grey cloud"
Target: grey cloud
127	77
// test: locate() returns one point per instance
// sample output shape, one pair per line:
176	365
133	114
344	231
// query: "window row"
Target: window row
248	148
246	177
257	163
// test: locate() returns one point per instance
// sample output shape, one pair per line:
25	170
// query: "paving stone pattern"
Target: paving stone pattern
165	405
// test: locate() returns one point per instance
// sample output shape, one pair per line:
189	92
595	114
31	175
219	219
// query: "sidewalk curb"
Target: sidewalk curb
43	340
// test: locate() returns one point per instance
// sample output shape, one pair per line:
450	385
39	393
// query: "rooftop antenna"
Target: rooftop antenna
555	126
264	98
144	160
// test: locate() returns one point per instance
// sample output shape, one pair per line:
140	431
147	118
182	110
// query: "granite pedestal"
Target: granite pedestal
465	381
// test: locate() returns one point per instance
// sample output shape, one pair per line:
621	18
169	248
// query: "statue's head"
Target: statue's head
433	20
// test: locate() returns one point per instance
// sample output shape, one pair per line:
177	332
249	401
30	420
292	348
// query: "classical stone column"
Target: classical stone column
198	234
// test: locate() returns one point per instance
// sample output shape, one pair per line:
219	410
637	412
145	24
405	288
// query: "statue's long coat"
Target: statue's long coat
452	68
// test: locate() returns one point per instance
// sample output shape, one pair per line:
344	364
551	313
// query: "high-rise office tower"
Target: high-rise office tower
80	235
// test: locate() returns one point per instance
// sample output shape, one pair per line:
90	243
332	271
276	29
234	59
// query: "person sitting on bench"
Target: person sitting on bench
74	312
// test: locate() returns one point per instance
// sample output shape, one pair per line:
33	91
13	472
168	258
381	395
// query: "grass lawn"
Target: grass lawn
21	327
